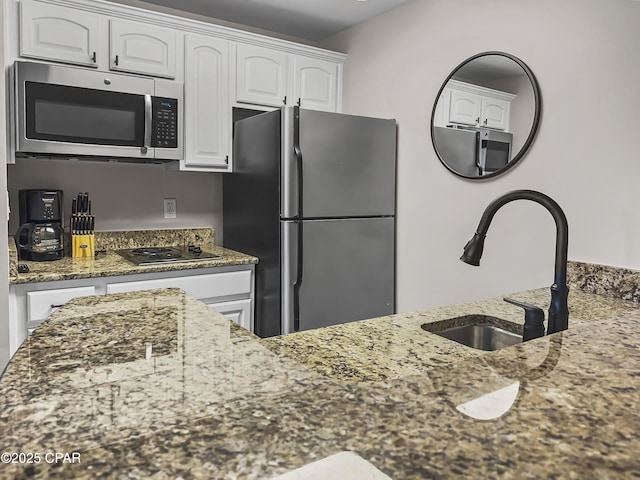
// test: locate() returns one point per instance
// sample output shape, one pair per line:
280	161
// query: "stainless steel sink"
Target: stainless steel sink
481	332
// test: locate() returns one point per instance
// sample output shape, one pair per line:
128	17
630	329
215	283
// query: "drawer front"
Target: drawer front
42	304
199	286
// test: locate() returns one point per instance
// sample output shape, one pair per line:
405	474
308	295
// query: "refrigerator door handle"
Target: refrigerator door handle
298	282
297	152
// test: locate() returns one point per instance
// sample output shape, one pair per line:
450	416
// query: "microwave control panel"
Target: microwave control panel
165	122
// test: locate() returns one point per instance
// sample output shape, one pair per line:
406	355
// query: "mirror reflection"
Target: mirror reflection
486	115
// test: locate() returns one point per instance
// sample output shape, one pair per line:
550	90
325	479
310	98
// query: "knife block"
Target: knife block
83	246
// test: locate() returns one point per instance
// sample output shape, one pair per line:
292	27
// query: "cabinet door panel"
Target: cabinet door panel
60	34
465	107
207	109
238	311
261	75
139	48
495	113
315	83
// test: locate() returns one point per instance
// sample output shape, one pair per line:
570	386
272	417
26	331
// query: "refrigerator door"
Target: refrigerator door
337	165
251	211
459	150
336	271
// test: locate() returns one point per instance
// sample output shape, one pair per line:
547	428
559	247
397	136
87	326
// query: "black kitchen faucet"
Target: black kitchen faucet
558	310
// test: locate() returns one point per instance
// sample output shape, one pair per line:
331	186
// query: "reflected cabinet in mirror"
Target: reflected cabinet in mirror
486	115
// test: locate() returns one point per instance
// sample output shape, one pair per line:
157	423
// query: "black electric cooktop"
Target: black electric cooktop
154	255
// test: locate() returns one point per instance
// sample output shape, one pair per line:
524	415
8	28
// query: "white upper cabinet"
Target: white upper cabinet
274	78
315	83
139	48
261	75
60	34
465	108
207	109
465	104
495	113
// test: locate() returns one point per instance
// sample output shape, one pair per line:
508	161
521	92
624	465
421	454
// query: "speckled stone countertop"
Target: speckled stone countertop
109	263
156	385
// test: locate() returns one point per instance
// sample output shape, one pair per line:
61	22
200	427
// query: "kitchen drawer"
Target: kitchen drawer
199	286
43	303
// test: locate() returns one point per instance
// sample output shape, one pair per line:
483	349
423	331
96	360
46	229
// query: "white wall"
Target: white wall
584	54
124	196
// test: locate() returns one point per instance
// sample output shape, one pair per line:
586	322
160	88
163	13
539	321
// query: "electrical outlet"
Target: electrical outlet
170	210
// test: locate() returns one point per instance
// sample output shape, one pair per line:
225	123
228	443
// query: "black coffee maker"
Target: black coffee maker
40	236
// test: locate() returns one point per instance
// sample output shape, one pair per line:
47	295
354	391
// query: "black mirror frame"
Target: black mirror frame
534	126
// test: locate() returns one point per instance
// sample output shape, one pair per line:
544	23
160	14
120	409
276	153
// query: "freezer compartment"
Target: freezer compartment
336	271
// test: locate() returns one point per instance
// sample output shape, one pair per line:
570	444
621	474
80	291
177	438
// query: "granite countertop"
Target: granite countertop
155	384
109	263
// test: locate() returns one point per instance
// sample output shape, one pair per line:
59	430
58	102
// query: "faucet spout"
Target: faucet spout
558	310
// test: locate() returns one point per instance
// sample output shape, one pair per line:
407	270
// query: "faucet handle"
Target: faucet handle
533	320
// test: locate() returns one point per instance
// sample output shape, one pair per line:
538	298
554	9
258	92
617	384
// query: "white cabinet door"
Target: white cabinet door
441	115
238	311
465	107
139	48
207	119
60	34
261	76
315	83
495	113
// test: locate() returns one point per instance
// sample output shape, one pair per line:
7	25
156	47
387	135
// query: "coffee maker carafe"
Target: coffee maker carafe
40	236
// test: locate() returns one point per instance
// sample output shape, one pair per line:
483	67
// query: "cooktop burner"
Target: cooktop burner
152	255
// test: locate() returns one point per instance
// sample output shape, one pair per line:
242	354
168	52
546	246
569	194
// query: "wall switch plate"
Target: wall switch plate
170	208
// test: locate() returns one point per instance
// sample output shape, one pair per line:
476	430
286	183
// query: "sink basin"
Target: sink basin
481	332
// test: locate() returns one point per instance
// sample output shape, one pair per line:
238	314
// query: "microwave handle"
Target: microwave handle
148	111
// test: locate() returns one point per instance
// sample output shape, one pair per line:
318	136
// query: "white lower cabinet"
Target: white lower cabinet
238	311
229	290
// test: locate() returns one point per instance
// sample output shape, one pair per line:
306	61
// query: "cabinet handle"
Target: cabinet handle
477	119
53	305
116	61
226	159
299	102
485	121
93	57
284	100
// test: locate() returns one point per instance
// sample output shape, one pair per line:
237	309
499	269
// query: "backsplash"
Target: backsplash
604	280
202	237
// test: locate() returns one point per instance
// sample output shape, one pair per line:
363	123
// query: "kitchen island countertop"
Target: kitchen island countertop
155	384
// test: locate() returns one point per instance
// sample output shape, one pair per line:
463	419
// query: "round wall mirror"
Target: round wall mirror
486	115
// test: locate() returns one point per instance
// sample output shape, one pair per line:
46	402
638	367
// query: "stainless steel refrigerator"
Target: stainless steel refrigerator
313	196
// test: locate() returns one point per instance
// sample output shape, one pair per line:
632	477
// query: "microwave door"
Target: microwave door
68	111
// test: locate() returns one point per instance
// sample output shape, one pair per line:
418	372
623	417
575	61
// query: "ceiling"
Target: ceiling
308	19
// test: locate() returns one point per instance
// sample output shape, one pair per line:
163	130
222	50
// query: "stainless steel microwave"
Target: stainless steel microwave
82	113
